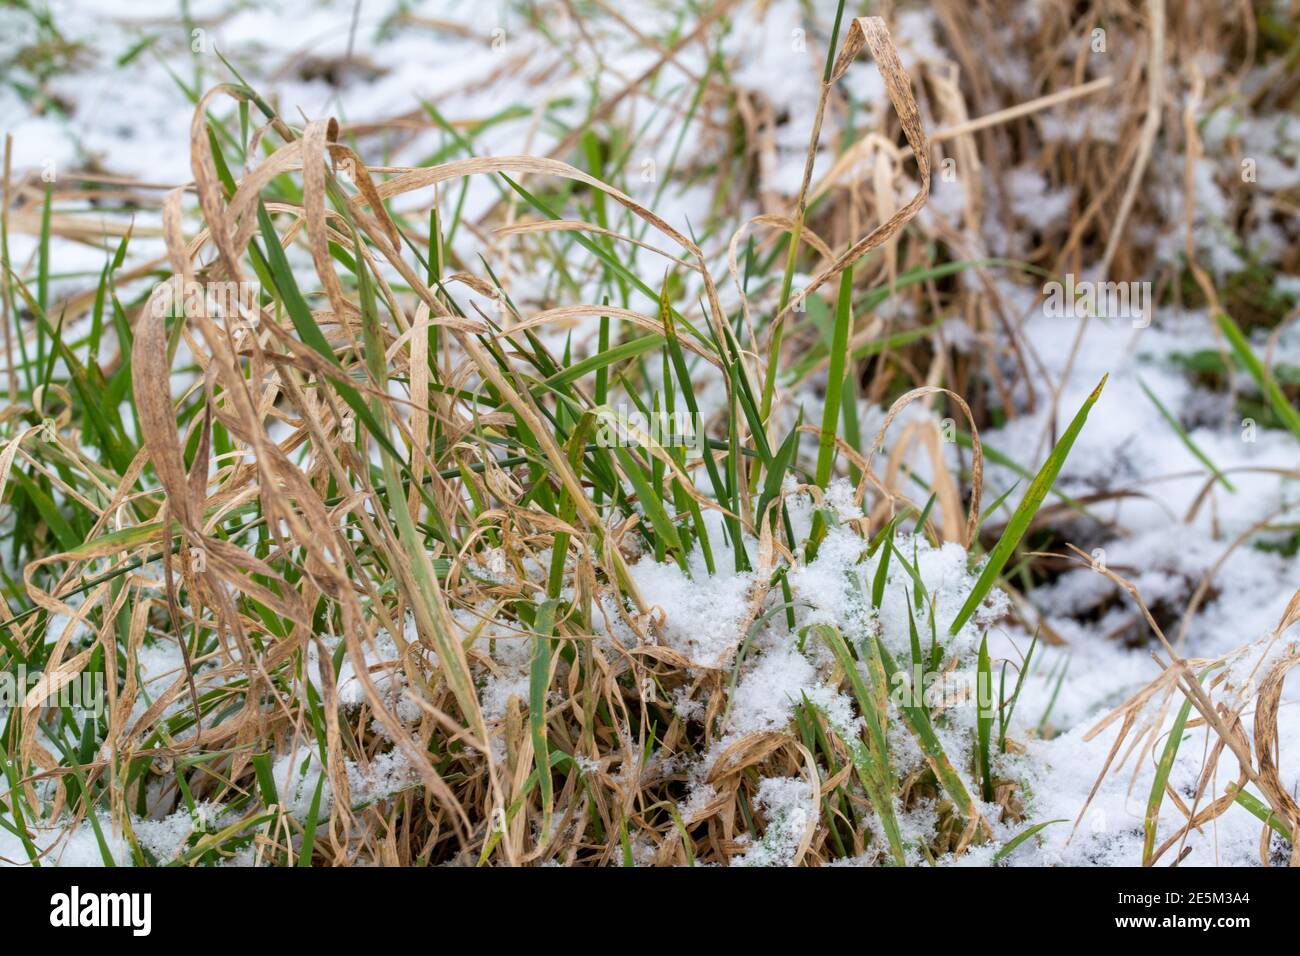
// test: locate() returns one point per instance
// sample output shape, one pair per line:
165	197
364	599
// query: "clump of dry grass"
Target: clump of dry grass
1248	678
249	549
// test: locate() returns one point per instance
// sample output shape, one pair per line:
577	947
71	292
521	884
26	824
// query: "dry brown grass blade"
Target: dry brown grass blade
783	223
872	33
977	457
1179	675
1267	745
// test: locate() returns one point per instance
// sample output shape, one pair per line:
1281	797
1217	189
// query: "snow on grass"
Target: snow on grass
790	806
702	614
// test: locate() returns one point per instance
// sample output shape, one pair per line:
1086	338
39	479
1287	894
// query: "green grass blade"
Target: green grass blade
1161	780
918	720
835	378
984	717
1008	847
1191	446
1024	513
1266	382
539	680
